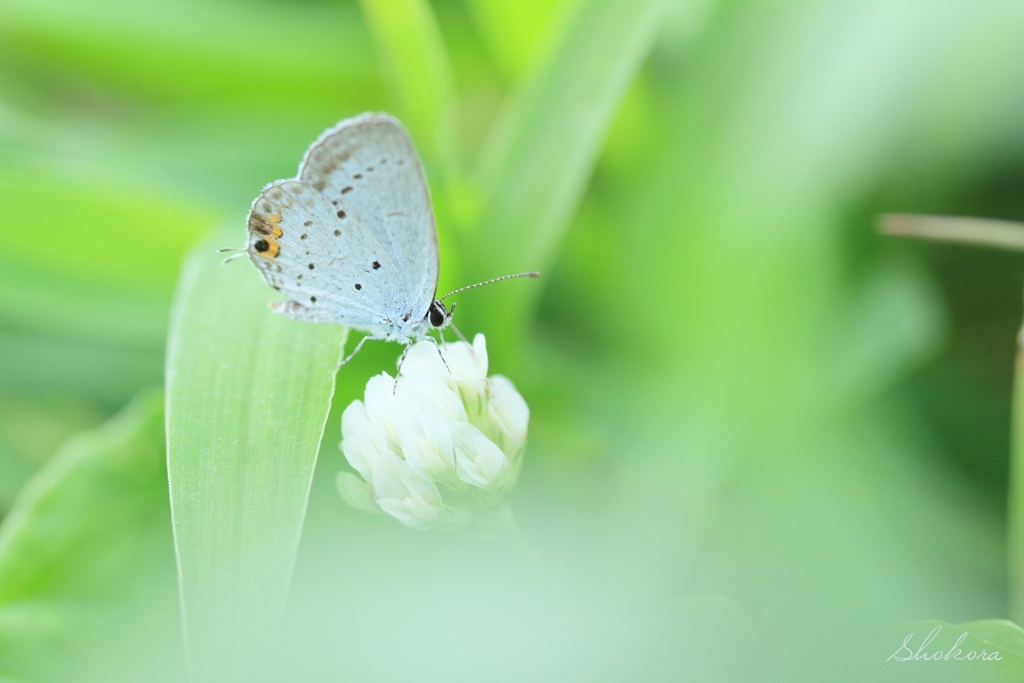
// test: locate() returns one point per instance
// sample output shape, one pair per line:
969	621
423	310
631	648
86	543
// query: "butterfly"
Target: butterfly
351	240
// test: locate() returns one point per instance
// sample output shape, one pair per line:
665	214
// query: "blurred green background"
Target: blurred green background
738	389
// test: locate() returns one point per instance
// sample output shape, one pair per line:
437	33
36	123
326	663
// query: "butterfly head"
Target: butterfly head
438	316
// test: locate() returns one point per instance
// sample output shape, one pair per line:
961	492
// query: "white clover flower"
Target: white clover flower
442	445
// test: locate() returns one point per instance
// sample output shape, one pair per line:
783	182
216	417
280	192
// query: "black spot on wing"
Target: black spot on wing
341	214
376	265
311	266
337	233
358	286
346	189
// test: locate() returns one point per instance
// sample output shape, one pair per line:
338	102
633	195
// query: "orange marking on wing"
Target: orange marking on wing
273	250
274	225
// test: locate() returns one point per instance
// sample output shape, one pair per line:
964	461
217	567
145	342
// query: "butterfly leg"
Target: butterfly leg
405	352
441	355
356	350
458	333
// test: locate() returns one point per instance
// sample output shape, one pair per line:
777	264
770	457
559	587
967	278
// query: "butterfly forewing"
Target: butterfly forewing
369	164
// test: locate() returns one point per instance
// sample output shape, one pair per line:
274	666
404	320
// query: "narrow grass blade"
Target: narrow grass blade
87	561
542	150
515	31
417	67
1015	504
248	393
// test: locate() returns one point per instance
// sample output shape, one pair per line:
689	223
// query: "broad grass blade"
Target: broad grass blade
248	393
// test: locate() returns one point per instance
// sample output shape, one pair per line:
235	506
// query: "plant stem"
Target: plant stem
506	529
980	232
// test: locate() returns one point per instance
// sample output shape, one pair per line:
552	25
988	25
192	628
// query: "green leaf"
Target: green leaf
31	430
248	393
419	72
964	652
1004	634
87	561
271	55
540	155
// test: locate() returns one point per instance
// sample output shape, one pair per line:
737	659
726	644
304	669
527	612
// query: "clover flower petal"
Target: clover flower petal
411	499
441	446
479	461
362	441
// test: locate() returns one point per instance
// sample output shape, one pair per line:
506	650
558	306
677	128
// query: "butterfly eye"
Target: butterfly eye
437	314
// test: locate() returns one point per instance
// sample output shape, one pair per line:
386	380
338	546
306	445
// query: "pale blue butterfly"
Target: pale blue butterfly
351	240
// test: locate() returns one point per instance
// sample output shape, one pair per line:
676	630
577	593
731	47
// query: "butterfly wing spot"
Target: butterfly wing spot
307	224
311	266
376	265
312	299
266	248
337	233
405	318
369	169
268	224
358	286
346	189
357	176
341	214
304	236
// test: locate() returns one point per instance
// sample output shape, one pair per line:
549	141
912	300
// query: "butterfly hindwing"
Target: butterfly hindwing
321	255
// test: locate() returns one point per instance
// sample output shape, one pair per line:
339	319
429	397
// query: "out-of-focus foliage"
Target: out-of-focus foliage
86	561
736	387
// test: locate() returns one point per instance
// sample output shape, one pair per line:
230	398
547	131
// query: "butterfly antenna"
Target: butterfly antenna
487	282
